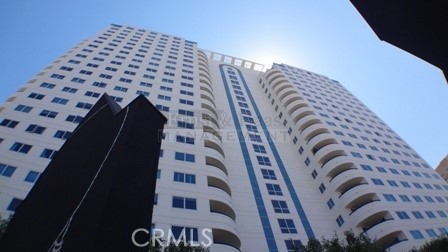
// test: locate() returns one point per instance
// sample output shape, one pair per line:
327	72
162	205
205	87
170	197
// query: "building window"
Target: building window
330	203
287	226
259	148
185	178
14	204
430	214
48	153
59	100
293	245
255	138
322	188
268	174
280	206
389	197
163	108
314	174
417	214
431	233
252	128
377	182
47	85
263	161
84	105
307	161
185	112
340	220
185	203
184	157
183	139
274	189
404	198
23	108
187	102
48	113
20	147
32	176
164	97
121	89
416	234
9	123
74	119
33	128
7	170
185	125
64	135
36	96
402	215
69	90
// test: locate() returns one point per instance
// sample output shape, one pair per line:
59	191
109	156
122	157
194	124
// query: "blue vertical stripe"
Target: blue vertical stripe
306	225
272	245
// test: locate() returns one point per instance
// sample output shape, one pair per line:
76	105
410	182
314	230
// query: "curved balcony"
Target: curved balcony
286	92
209	112
284	86
222	208
274	78
321	140
221	236
206	105
223	248
348	185
369	208
201	74
206	89
328	152
209	99
361	200
205	82
313	130
209	121
205	71
201	53
214	145
355	192
279	82
271	72
318	145
334	163
393	238
300	113
342	172
306	121
219	183
208	102
289	96
216	163
213	152
203	65
202	60
374	220
212	131
294	103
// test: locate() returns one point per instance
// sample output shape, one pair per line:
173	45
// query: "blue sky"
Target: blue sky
327	37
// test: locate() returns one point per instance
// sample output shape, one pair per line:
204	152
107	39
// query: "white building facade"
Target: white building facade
264	159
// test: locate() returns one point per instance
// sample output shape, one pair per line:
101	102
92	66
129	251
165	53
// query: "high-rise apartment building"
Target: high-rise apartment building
264	159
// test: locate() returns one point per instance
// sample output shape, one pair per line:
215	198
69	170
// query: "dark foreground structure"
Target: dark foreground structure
98	189
416	26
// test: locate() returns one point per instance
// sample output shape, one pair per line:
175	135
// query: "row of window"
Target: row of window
287	226
407	184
